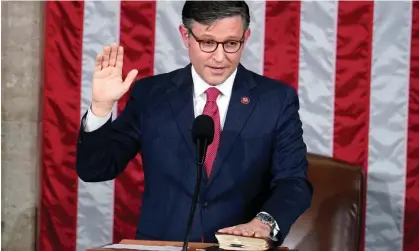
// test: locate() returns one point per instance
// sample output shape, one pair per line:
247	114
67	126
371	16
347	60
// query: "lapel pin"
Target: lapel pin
245	100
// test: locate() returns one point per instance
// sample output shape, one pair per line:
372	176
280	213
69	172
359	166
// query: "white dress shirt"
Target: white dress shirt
199	98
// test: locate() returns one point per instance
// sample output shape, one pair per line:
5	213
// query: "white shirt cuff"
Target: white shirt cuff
93	122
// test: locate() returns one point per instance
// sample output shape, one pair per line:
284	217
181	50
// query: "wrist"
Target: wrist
266	220
101	109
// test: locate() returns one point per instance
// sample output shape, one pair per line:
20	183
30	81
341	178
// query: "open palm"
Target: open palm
108	85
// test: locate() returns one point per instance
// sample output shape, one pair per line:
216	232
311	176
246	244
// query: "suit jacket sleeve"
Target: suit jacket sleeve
104	153
291	191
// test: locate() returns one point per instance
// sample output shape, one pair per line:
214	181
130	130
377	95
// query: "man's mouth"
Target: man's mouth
217	70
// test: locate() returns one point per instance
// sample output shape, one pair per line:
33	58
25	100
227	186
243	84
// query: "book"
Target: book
238	242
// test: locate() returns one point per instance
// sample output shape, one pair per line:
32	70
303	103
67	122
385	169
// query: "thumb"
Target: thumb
130	78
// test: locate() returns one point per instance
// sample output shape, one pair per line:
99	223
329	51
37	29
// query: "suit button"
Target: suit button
205	205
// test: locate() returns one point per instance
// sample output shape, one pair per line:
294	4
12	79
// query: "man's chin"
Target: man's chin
216	79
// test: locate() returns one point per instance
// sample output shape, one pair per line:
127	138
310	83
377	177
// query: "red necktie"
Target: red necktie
211	109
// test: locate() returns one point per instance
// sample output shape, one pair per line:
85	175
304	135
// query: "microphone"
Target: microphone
202	136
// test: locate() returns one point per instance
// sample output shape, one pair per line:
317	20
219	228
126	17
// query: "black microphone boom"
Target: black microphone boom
202	136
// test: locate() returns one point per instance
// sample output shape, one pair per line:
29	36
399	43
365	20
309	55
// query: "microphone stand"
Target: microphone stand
200	163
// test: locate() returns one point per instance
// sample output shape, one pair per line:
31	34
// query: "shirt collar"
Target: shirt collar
200	86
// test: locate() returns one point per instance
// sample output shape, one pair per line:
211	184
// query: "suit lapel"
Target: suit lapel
180	97
243	100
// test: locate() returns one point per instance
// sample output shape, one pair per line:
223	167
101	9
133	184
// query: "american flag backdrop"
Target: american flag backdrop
355	66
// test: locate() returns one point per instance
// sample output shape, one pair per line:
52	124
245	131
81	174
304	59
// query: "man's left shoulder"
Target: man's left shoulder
273	87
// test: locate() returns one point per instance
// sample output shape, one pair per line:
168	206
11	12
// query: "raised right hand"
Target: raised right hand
108	86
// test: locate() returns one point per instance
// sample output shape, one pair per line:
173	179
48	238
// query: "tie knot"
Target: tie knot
212	94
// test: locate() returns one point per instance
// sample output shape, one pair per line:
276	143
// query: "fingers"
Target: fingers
130	78
98	62
113	54
226	230
246	230
106	56
237	230
120	58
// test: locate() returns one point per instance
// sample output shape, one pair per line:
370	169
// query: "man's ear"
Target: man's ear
247	34
184	33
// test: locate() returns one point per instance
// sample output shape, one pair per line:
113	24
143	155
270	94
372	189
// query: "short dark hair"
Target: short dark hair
207	12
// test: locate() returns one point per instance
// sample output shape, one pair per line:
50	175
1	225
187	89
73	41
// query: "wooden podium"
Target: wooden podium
193	246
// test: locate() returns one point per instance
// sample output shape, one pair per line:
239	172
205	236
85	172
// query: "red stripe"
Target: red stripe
352	87
411	218
137	38
282	41
61	116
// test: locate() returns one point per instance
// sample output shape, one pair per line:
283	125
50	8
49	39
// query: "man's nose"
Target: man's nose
219	54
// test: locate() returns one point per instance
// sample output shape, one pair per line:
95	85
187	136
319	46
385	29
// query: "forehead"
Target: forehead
226	28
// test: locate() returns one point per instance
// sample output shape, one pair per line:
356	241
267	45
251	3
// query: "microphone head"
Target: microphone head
203	129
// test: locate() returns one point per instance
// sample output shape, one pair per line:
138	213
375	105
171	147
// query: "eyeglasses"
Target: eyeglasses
208	45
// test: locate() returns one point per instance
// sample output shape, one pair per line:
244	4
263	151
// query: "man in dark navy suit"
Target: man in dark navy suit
255	181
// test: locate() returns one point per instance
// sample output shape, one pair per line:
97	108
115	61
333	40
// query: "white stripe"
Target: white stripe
252	57
388	125
96	200
316	87
169	51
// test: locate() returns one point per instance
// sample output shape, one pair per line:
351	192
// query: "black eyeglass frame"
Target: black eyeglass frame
241	42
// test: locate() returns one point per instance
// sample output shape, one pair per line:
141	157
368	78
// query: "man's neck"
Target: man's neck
200	85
